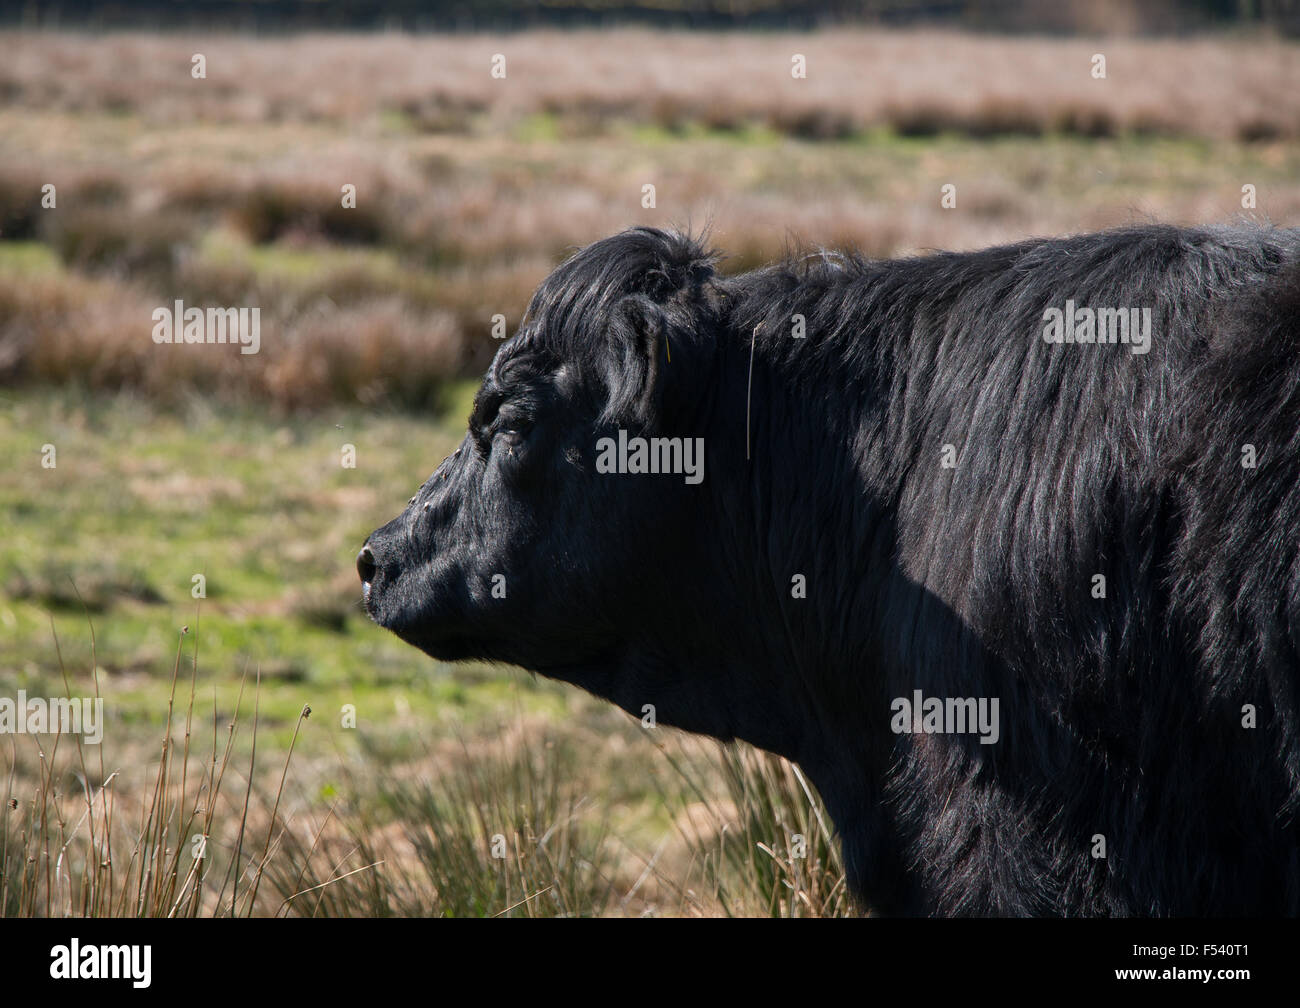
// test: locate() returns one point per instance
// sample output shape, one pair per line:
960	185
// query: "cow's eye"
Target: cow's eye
513	436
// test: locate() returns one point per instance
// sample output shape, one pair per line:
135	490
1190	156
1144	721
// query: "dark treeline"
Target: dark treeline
494	15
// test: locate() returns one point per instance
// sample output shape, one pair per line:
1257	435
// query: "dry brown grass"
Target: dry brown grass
96	333
925	80
226	191
213	822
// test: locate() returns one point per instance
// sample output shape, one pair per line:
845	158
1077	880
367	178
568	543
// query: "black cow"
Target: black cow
1003	548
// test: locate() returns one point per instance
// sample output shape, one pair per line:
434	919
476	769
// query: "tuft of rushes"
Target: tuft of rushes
87	842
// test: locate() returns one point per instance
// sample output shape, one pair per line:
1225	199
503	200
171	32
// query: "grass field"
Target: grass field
228	190
176	462
432	761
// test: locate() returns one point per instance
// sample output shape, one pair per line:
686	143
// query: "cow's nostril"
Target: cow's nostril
366	564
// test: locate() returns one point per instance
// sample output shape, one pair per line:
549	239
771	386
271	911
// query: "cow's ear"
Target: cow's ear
637	337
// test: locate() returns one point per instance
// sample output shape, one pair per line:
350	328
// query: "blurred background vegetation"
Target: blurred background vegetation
176	461
226	190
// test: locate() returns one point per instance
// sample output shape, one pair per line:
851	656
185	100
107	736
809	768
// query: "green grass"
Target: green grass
141	502
408	791
25	258
283	264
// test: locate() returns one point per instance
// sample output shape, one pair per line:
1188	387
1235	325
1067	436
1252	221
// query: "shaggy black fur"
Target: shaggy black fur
1124	717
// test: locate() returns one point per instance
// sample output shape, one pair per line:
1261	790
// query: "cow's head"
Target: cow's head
519	548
